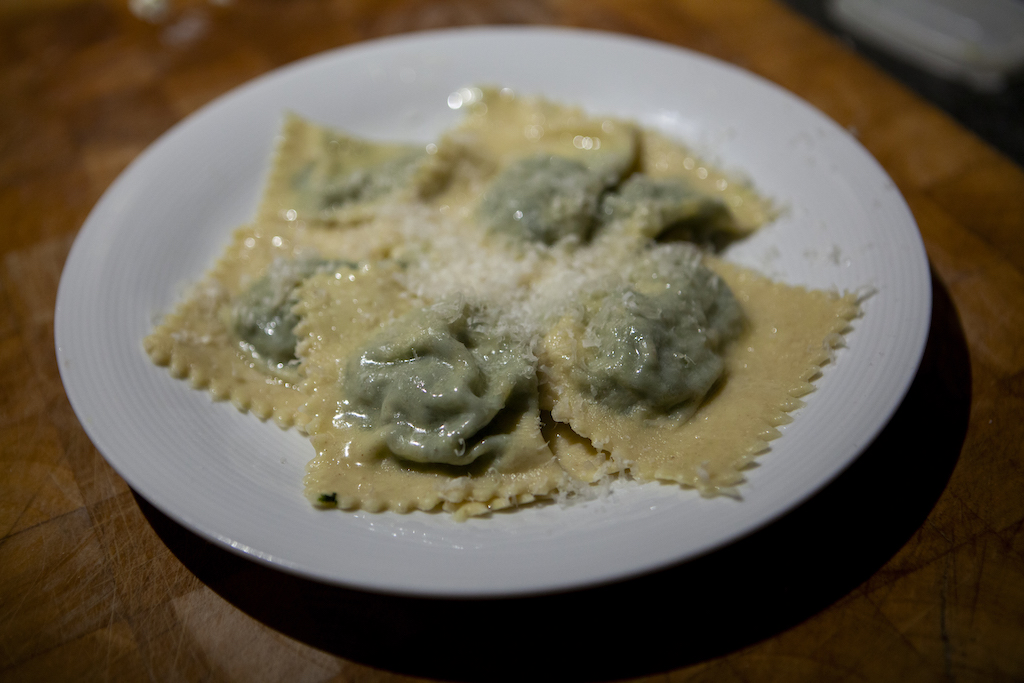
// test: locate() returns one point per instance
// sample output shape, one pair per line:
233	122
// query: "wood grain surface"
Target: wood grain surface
909	567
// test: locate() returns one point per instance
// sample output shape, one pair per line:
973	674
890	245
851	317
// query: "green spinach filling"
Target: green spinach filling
653	207
262	316
348	172
432	382
543	198
655	343
345	186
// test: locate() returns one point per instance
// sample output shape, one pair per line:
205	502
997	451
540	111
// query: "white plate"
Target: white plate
238	482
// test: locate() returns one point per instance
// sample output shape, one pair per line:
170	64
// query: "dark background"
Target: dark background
998	118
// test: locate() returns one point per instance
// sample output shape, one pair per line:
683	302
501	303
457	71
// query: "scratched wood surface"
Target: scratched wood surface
909	567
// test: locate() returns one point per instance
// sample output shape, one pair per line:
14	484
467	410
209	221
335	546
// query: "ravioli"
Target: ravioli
362	461
323	176
789	334
527	308
198	341
650	342
543	198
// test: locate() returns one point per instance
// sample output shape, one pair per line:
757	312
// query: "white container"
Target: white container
977	42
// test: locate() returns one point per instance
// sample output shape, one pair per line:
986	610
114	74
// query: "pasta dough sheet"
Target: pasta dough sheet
339	315
196	341
790	334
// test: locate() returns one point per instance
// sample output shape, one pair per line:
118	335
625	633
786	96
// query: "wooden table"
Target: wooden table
909	567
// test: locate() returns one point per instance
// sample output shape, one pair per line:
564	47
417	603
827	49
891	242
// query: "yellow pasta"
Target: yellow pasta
503	316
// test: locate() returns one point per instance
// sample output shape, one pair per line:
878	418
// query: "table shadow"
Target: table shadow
750	590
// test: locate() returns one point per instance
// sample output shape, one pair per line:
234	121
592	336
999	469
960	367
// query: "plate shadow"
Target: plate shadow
752	589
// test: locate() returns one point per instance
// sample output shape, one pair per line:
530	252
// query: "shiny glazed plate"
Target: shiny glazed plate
238	482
